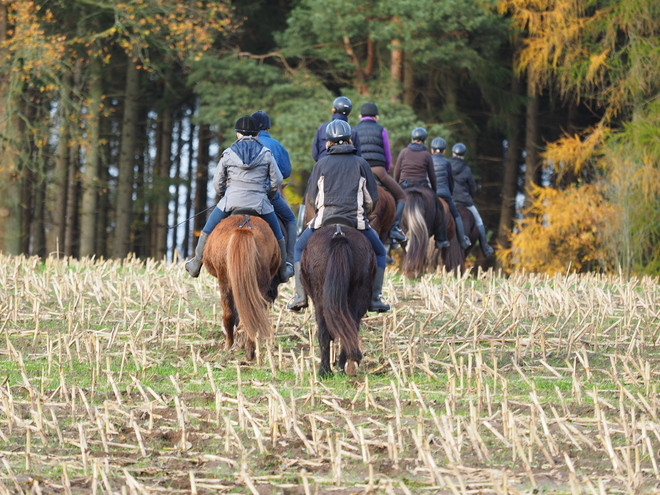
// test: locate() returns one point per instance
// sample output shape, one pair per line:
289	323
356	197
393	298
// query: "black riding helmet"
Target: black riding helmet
459	149
419	134
369	109
262	119
338	131
247	126
342	105
438	144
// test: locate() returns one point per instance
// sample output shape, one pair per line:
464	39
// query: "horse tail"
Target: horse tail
243	269
455	259
338	316
418	233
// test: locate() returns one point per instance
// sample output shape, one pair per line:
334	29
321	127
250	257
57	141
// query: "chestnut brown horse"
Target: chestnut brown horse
338	267
422	217
456	256
243	255
381	219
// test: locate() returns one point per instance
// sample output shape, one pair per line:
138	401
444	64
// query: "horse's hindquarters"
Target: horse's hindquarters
338	268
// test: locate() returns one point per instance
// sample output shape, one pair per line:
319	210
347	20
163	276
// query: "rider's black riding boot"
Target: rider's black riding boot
485	248
395	232
377	303
300	299
441	237
291	237
286	270
194	265
460	233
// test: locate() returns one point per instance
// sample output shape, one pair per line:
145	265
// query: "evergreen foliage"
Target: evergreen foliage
447	66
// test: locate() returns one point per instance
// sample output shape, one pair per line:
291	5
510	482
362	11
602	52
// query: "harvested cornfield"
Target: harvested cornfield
113	379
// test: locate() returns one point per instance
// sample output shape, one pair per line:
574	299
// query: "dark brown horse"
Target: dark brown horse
338	269
436	256
456	256
381	219
243	255
422	218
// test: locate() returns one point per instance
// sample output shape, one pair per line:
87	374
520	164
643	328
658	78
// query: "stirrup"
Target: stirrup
441	244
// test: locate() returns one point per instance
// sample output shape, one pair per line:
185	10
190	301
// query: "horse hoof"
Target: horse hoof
351	367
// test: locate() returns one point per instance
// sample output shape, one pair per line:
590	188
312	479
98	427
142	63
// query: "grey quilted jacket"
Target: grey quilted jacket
247	173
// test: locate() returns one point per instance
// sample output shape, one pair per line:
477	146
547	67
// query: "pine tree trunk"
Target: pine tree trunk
9	159
202	178
396	64
511	171
27	199
144	210
124	204
91	169
71	237
10	179
38	220
408	80
177	190
101	248
189	189
531	142
60	182
396	69
162	183
29	179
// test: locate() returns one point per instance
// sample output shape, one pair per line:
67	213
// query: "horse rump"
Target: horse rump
243	255
338	268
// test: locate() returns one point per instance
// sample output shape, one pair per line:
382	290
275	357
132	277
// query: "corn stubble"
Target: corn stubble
114	379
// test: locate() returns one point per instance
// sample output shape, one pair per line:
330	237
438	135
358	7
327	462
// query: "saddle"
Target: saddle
245	211
338	220
414	182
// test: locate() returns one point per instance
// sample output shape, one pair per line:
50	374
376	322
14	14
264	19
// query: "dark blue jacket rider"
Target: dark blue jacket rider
318	146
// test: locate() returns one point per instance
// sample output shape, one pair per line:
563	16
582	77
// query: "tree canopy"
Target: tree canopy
112	113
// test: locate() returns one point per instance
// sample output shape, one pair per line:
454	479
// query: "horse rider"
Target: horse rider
414	168
445	181
247	177
342	184
341	109
282	209
464	189
375	144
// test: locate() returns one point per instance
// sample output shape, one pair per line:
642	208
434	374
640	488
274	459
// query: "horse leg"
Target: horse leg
229	316
250	349
325	370
350	364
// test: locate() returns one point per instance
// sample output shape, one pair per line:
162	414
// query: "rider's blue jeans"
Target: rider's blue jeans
379	249
218	215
